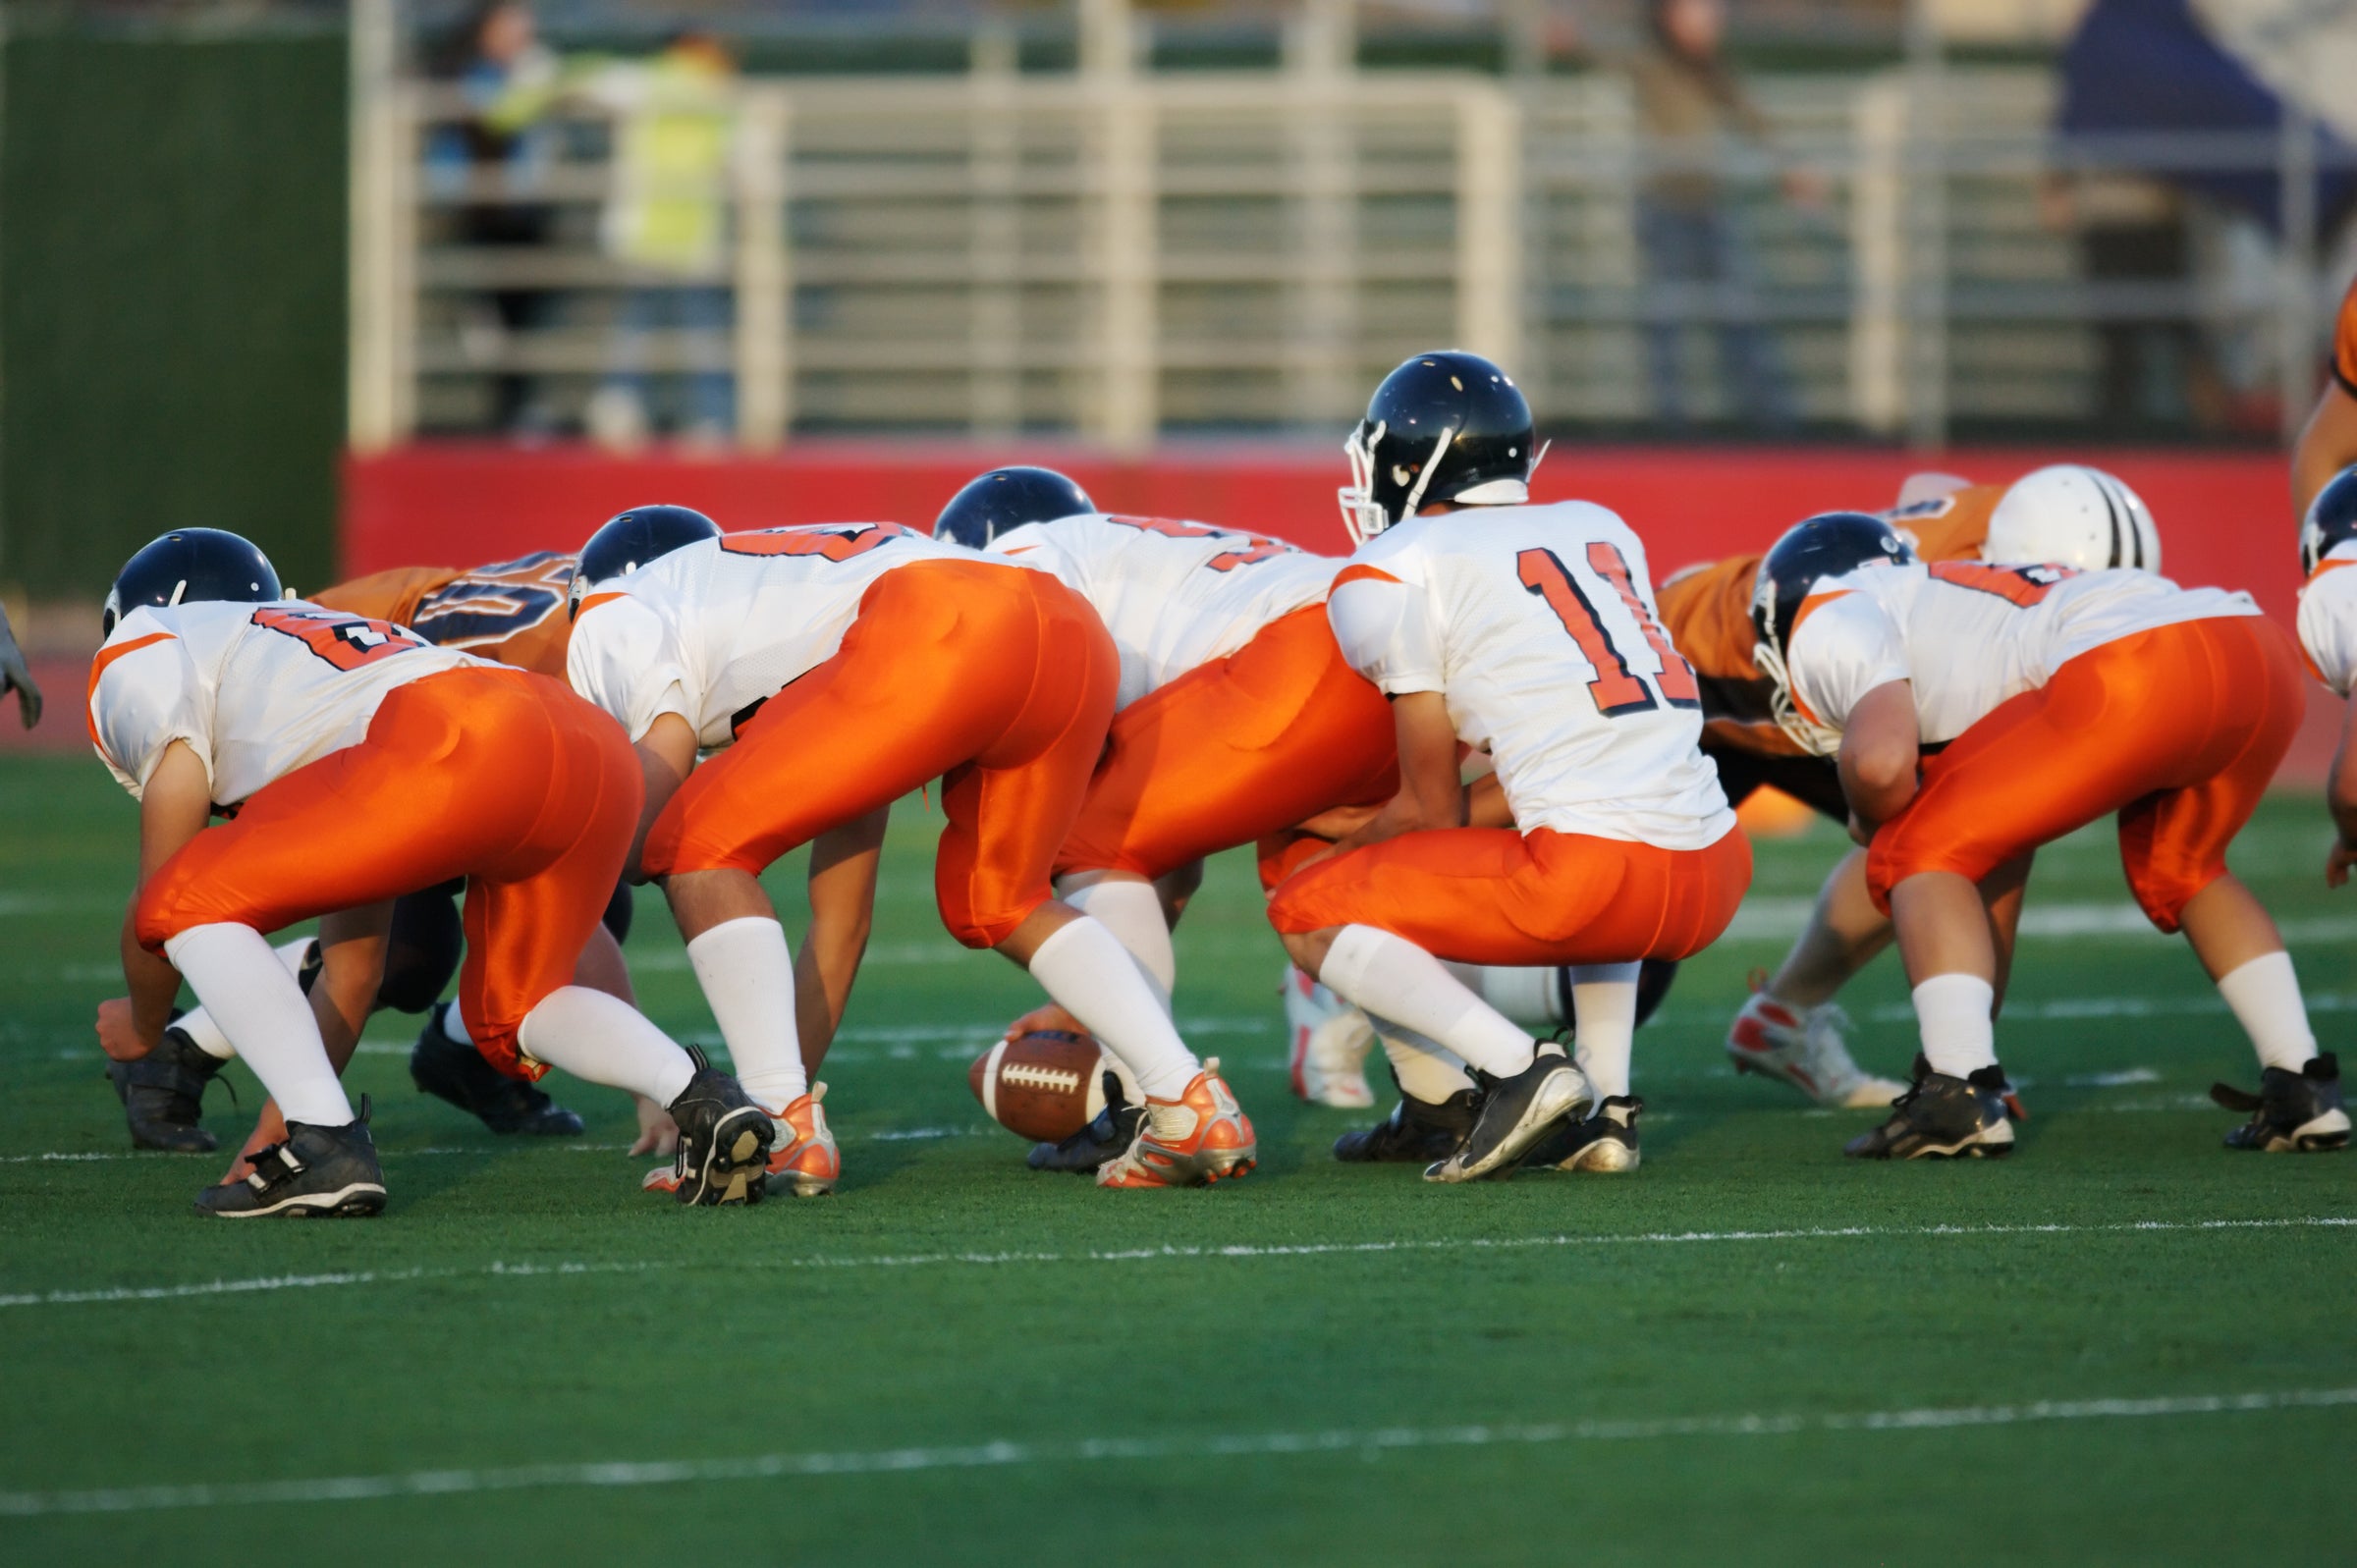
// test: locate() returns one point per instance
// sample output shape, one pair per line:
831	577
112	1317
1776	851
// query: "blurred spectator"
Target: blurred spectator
667	221
1698	259
507	81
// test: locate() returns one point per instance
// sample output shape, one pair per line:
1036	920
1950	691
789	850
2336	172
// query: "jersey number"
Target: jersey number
492	604
1617	690
828	541
345	641
2021	585
1250	547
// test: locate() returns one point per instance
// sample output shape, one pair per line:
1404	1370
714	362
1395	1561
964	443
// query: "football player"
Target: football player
1528	632
1978	710
2288	1105
356	762
2328	441
834	669
1792	1028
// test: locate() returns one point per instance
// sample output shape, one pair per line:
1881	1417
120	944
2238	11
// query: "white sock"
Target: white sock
1959	1036
197	1024
605	1040
1604	1003
1091	976
2265	995
747	976
1531	997
1132	912
1393	978
1426	1070
454	1024
255	1000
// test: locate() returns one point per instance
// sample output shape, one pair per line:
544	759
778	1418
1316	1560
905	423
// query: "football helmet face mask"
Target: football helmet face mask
1003	499
1444	426
629	540
190	565
2332	521
1832	544
2073	516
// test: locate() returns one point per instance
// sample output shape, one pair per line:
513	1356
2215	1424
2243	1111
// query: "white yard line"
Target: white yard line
1243	1252
1003	1453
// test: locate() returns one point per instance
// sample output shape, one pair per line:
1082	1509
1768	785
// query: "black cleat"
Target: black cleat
2293	1112
1417	1131
1944	1118
1514	1114
454	1071
1606	1143
724	1140
317	1173
1106	1137
163	1095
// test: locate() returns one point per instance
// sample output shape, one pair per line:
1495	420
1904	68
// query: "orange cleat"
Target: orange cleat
1192	1141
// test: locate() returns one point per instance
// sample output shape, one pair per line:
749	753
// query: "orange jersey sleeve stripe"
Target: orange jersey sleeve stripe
594	600
98	668
1362	574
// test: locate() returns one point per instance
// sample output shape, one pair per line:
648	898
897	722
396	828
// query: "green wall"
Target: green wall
171	299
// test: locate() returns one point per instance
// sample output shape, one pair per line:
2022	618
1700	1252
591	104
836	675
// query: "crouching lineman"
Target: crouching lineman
2058	697
836	667
1528	631
356	762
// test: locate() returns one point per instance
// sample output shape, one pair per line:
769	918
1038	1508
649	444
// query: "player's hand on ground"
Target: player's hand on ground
268	1128
118	1036
2339	862
658	1134
13	674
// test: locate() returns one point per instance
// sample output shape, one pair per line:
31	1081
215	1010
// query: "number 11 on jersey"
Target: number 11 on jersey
1617	690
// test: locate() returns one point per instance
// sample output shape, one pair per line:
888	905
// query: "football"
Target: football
1044	1084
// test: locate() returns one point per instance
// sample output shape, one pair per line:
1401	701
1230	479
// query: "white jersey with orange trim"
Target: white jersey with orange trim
2329	619
255	690
713	631
1969	635
1173	595
1537	624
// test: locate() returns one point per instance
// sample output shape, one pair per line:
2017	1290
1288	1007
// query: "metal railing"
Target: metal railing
1119	256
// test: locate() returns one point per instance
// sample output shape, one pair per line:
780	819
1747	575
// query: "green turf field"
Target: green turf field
2124	1344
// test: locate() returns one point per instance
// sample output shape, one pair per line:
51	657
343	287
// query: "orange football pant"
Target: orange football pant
995	679
1491	895
498	775
1244	746
2178	729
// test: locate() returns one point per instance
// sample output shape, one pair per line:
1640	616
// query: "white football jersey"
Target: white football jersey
255	690
2329	619
1538	626
712	631
1968	635
1175	595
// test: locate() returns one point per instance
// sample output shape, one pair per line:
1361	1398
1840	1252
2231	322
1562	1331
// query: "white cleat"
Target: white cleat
1330	1042
1803	1046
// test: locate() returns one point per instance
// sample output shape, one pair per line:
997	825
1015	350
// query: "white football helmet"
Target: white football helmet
2074	517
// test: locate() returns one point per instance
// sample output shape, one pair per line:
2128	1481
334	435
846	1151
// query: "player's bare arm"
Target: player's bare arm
1431	795
666	756
1880	751
174	808
843	862
2327	443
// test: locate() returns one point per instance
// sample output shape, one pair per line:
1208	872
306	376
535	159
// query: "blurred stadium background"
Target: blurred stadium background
413	281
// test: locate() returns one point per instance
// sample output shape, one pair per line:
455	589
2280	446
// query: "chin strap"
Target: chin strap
1817	739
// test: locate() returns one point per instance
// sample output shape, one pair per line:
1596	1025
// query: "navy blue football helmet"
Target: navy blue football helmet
1444	426
1831	544
1009	498
631	539
189	565
2332	521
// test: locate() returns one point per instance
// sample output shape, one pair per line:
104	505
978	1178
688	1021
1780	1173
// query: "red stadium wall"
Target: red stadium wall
2225	518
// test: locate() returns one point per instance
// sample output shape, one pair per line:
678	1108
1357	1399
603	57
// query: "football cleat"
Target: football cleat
725	1139
1606	1143
163	1095
454	1071
1106	1137
1514	1114
1417	1131
1192	1141
1945	1119
804	1161
317	1173
1803	1046
2293	1112
1330	1041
